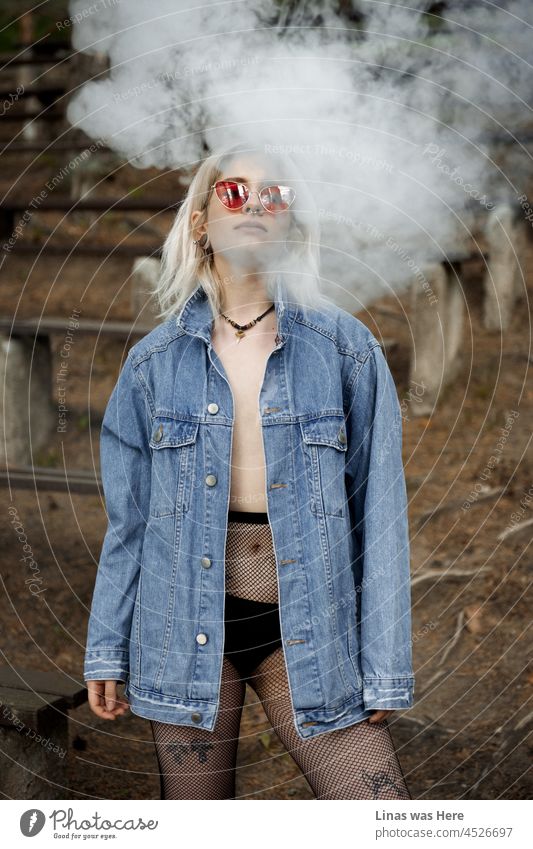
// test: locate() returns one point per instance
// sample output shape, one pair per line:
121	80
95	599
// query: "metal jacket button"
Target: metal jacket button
212	408
158	435
196	717
342	437
211	480
201	639
206	562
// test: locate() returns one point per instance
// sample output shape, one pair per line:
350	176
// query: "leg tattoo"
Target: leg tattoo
199	764
358	762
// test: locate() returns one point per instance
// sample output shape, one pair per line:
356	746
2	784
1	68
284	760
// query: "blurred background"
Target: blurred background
413	126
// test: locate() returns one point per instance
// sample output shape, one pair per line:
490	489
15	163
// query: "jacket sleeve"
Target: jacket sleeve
377	499
126	470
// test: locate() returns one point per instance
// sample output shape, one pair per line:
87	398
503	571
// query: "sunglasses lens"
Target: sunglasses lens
277	198
232	194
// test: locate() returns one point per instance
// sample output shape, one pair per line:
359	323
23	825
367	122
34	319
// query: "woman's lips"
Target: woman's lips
251	226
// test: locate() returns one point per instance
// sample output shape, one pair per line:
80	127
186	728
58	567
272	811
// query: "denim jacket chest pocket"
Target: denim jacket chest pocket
173	444
324	445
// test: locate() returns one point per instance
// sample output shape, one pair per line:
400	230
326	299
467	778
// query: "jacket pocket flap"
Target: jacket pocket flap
172	433
327	430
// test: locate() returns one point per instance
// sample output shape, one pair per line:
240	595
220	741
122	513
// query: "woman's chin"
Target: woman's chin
251	256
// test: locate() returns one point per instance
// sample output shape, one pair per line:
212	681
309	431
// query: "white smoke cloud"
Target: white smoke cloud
389	109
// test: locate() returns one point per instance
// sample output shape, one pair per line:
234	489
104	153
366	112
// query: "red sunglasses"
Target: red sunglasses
233	195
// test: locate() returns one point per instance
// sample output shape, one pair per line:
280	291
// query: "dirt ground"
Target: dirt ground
468	734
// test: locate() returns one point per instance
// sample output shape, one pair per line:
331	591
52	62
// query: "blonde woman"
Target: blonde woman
251	462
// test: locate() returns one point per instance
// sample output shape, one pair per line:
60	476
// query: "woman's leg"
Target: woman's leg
358	762
198	764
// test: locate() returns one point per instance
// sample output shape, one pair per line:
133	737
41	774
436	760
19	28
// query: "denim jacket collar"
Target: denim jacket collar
196	316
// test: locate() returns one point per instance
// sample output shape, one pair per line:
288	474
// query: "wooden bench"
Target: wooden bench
80	249
61	145
51	324
16	114
45	479
34	709
11	60
11	211
45	47
27	357
47	95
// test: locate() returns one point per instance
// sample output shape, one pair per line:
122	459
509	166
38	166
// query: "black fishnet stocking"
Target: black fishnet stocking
251	570
199	764
358	762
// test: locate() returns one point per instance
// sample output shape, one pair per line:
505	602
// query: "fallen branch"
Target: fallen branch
435	677
457	573
457	503
423	724
440	672
455	638
515	529
511	741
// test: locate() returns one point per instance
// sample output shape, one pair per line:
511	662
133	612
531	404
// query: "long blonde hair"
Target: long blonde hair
184	264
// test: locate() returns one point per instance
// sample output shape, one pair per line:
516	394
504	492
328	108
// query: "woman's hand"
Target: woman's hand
104	700
379	715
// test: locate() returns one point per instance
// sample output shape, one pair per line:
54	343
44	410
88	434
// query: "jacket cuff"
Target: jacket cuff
388	693
106	665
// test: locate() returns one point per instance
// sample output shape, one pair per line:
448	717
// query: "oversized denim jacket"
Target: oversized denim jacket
337	507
